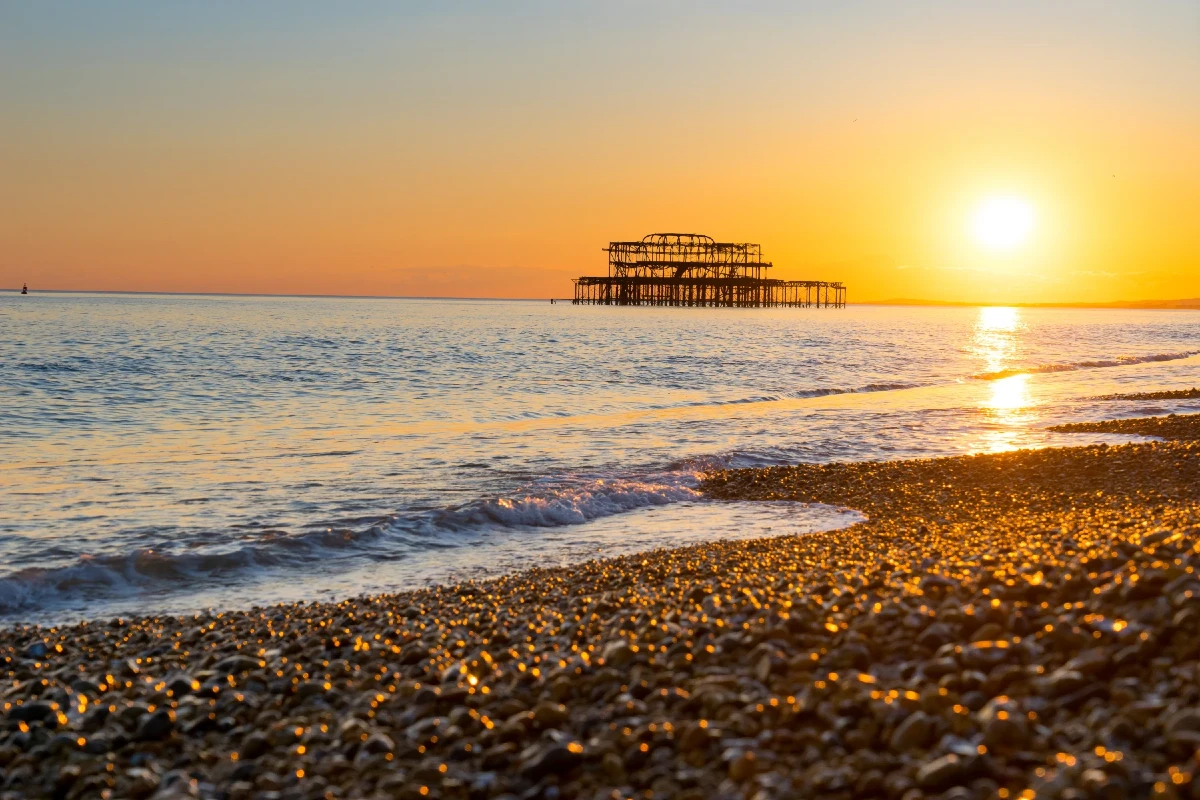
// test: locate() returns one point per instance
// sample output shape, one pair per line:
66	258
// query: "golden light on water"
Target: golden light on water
996	341
1002	318
1009	394
1003	222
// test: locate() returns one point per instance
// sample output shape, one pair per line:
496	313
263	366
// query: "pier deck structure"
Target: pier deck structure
690	269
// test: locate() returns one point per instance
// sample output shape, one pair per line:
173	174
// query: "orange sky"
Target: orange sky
453	149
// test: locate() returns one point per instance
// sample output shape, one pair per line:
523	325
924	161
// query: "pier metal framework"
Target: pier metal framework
690	269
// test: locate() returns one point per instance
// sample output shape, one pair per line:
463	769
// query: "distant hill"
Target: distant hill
1192	303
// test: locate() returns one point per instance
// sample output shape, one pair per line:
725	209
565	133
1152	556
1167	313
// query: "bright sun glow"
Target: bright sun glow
1002	223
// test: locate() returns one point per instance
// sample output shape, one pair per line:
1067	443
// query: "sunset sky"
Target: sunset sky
493	149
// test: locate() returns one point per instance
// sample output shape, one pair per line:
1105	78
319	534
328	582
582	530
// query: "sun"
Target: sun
1002	222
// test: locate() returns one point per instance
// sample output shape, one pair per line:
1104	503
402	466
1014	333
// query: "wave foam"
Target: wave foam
804	394
1122	361
600	498
568	501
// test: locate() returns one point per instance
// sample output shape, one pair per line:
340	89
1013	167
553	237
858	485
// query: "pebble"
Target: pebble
913	733
155	726
941	773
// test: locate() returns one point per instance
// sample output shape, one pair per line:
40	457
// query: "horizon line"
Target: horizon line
284	294
1180	304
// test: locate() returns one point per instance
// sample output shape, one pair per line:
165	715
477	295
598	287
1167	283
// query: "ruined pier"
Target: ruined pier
690	269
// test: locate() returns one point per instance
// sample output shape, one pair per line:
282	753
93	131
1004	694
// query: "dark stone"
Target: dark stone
379	743
1081	695
31	712
236	664
424	696
155	726
935	636
553	760
97	745
913	733
94	719
942	773
254	746
180	685
37	650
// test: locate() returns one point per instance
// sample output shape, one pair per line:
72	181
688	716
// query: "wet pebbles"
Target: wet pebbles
1175	426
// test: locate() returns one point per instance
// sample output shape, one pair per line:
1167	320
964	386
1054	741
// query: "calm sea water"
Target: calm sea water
173	453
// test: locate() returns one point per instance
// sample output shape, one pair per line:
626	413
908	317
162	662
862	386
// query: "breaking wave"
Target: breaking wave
807	393
1122	361
569	501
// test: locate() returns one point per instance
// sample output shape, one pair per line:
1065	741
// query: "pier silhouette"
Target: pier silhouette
691	269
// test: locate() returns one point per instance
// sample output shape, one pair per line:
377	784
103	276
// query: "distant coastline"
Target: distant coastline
1187	304
283	295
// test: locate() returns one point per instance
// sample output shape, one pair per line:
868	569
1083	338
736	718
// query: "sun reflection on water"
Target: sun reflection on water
1008	407
1009	394
997	337
999	318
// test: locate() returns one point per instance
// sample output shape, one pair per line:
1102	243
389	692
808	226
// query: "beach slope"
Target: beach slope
1001	623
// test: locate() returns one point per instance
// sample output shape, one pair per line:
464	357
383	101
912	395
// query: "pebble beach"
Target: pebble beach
1023	624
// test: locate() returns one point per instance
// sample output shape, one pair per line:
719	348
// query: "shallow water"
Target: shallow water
184	452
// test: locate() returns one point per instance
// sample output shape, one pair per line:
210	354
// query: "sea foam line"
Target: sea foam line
1121	361
166	567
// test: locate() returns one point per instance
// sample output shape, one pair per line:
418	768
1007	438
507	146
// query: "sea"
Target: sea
167	454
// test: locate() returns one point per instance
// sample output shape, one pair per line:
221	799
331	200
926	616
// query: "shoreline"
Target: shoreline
1024	620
